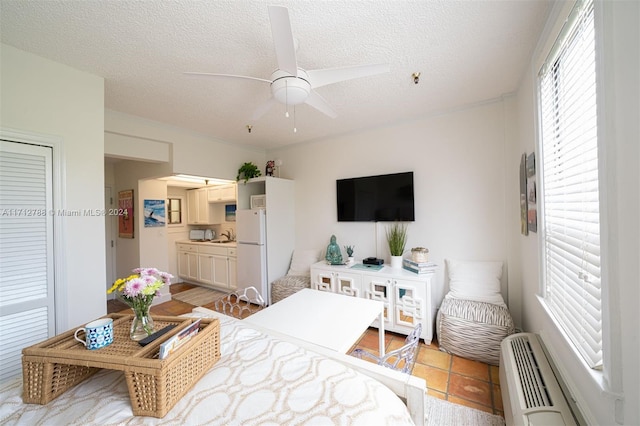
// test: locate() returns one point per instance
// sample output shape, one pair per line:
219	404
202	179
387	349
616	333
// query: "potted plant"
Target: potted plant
397	240
247	171
349	250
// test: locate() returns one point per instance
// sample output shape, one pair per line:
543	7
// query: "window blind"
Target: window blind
570	196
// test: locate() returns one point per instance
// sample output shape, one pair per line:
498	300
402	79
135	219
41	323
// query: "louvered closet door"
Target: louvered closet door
26	251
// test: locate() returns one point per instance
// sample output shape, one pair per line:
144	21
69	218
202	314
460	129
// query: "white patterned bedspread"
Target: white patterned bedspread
259	380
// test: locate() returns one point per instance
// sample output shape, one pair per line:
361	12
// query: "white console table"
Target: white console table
406	296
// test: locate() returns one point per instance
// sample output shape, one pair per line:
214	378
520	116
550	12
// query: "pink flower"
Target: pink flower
134	287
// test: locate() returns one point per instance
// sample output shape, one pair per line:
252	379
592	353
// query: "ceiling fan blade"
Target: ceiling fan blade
208	74
320	104
262	109
283	39
323	77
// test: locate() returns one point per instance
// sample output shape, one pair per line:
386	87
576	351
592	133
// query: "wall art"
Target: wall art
154	213
532	214
125	214
524	228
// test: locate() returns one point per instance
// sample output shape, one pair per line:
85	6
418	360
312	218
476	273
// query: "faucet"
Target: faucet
229	234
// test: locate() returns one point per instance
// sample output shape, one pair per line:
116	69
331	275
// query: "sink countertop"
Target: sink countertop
210	243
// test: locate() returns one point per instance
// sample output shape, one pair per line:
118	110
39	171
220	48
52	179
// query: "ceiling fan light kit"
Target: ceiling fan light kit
291	85
288	89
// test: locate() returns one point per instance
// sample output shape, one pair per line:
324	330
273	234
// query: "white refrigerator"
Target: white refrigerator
252	251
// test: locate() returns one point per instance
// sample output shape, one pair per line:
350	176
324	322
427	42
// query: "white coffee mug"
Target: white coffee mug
98	333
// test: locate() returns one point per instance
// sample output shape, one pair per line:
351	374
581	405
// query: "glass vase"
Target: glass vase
142	323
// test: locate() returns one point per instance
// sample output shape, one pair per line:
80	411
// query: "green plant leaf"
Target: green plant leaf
397	238
248	171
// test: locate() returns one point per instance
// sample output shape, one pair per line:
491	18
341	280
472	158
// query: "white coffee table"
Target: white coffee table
330	320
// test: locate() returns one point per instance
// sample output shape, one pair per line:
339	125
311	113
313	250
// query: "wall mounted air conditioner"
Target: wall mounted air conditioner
530	391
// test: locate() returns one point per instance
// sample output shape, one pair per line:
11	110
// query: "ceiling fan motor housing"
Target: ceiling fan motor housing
289	89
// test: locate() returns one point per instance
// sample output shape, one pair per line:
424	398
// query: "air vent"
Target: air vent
533	386
530	391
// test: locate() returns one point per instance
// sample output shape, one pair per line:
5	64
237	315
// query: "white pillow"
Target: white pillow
301	262
479	281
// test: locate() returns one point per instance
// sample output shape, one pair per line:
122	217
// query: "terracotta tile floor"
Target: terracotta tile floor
449	377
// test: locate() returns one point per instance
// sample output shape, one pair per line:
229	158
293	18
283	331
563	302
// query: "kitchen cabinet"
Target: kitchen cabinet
222	194
233	268
198	209
188	261
406	296
211	265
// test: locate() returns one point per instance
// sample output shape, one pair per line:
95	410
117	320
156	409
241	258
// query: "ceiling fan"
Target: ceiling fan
291	85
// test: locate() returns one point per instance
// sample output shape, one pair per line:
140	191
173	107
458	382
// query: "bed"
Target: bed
259	379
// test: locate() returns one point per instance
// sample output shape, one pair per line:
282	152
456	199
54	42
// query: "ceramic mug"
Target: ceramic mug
98	333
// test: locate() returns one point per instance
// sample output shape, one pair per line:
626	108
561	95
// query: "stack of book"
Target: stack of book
418	267
178	340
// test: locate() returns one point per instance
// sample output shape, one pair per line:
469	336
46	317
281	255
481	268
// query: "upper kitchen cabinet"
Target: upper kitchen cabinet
222	194
198	209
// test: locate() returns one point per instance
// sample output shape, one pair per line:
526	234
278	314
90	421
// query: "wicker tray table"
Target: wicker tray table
52	367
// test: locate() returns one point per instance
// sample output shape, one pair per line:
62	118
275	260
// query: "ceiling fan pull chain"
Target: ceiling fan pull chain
294	120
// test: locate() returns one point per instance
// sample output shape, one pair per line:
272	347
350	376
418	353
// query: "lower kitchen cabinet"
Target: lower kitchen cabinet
207	264
406	296
188	262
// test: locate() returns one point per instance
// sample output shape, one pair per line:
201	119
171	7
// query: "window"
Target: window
175	211
569	179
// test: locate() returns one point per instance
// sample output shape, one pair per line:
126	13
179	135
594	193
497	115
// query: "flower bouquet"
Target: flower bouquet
138	291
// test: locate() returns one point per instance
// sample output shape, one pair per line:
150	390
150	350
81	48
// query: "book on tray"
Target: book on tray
179	339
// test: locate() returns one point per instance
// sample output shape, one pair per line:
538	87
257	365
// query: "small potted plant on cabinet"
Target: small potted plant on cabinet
349	250
397	240
248	171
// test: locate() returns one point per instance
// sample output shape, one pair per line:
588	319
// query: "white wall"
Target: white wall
611	397
176	233
152	238
459	178
129	175
191	153
45	97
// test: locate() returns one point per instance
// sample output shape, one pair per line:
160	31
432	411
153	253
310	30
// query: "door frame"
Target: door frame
111	226
59	273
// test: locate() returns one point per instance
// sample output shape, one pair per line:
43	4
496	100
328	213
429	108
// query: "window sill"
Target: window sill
570	365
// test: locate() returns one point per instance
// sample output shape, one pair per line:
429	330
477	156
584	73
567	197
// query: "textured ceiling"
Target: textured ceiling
466	51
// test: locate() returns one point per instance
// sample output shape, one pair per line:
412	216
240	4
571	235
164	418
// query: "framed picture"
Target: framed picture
532	213
230	212
125	214
524	228
154	213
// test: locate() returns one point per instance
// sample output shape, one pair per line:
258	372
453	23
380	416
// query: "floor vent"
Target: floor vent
530	392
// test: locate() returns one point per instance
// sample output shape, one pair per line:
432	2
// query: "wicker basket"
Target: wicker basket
55	365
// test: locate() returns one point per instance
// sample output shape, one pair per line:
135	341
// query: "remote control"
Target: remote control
154	336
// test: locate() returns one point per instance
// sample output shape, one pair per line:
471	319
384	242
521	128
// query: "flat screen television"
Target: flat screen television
382	198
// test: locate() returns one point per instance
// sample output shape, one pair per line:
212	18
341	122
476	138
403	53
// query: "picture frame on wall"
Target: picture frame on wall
532	210
154	213
230	213
524	227
125	214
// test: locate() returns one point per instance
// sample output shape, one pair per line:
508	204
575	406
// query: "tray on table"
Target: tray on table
52	367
